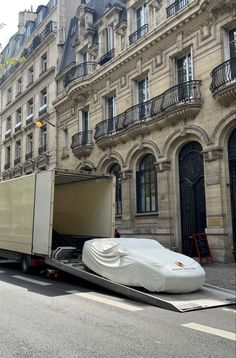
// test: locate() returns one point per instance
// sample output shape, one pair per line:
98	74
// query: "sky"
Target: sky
9	10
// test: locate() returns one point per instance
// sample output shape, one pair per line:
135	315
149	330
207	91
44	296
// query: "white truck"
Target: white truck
47	216
41	211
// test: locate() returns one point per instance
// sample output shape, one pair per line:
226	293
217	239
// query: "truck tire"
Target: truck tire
25	264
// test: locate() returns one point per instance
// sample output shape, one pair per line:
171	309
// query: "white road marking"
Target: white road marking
37	282
211	330
107	301
229	309
2	271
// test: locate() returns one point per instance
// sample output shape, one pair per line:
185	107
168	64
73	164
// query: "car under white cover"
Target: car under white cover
143	263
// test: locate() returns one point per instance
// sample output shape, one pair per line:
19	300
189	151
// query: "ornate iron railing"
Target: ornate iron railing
42	149
82	139
223	74
28	155
7	165
17	161
175	7
27	51
187	92
107	57
138	34
81	70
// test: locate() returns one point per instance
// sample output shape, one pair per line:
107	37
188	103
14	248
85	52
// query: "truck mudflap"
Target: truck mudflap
207	297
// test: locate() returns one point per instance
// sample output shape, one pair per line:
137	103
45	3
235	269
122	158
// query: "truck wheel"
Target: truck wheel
25	264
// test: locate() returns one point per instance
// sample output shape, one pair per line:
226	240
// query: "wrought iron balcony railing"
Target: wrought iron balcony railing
223	74
28	155
42	149
18	127
17	161
107	57
49	28
138	34
184	93
82	139
81	70
7	165
8	133
29	120
43	110
175	7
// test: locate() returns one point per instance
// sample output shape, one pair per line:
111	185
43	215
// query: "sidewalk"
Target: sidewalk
221	275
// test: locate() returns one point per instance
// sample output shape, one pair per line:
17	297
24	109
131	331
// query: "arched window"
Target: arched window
146	185
115	170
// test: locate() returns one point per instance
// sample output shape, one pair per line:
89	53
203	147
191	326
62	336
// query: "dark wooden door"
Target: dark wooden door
232	174
192	193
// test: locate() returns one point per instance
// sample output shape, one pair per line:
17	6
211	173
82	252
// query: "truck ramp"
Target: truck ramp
207	297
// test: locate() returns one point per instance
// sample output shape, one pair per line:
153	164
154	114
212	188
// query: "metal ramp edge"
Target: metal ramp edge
206	297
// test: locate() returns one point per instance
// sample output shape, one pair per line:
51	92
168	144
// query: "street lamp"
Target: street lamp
40	123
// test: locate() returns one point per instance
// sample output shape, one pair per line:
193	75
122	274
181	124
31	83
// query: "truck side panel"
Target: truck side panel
16	214
85	208
42	233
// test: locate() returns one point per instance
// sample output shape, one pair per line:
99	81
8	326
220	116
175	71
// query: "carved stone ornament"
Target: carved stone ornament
159	58
126	174
205	30
213	154
156	4
163	166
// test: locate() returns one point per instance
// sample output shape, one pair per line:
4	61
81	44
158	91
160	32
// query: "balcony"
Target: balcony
28	155
175	7
182	101
107	57
82	144
82	70
17	161
8	133
223	84
17	127
138	34
7	165
42	149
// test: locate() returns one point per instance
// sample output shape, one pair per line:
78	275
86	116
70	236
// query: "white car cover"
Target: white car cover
143	263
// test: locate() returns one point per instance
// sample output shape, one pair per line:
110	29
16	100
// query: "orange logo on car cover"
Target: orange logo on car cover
180	264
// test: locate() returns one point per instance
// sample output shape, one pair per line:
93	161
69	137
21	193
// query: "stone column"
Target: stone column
126	178
216	206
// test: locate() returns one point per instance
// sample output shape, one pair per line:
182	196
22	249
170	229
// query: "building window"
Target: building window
184	75
141	16
9	96
8	157
108	39
40	17
43	98
111	113
116	171
146	186
18	150
44	62
85	125
43	137
18	86
18	119
29	146
30	75
30	111
8	127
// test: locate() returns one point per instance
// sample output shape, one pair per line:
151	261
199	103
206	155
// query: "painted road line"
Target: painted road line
2	271
211	330
107	301
229	310
37	282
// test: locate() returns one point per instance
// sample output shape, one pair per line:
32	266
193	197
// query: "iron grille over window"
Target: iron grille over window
107	57
175	7
138	34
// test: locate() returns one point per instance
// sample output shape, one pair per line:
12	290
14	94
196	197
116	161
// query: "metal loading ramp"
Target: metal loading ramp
207	297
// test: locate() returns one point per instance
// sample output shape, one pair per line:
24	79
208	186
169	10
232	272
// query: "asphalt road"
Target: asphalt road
72	319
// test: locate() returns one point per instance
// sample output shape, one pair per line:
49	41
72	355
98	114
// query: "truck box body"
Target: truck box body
70	202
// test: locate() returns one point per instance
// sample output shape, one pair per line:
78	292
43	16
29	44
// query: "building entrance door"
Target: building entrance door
232	175
192	193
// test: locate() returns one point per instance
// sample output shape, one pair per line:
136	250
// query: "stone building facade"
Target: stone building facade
28	88
147	91
142	89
